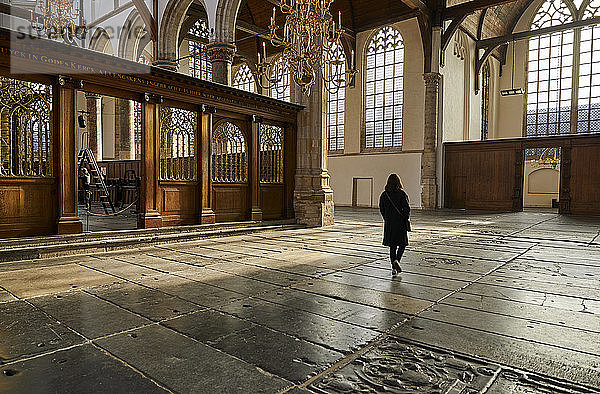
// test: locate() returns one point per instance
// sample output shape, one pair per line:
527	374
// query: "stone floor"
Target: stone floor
486	302
95	219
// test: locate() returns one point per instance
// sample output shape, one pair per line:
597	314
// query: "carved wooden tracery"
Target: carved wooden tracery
177	144
229	159
26	134
384	90
271	154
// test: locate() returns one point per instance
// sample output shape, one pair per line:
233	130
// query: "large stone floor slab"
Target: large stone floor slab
487	302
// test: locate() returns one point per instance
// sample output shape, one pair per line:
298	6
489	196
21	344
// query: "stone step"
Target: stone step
31	248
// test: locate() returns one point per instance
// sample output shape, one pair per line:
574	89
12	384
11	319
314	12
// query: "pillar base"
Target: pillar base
314	209
429	194
256	215
150	220
207	216
69	225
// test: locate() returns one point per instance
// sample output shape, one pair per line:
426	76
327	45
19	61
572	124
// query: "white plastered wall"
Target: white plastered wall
352	164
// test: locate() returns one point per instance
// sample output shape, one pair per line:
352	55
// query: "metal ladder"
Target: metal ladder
86	158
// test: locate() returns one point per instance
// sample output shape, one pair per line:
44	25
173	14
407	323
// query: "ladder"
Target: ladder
86	158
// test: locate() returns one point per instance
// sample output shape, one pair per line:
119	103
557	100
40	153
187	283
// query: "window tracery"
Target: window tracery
229	154
271	154
563	87
177	144
26	135
200	66
244	79
281	89
336	106
384	90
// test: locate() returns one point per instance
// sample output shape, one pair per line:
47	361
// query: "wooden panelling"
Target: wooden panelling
585	178
483	176
231	202
180	203
27	206
272	201
116	169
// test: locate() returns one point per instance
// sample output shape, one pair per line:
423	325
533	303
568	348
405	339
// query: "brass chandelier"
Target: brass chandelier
58	18
311	44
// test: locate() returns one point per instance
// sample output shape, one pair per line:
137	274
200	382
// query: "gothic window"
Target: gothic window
25	129
271	154
563	72
244	79
281	89
200	66
485	101
177	144
384	90
336	100
229	154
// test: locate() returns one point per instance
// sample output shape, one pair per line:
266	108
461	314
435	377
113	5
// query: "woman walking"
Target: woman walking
395	210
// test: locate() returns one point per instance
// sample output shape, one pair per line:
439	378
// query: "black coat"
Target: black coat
394	230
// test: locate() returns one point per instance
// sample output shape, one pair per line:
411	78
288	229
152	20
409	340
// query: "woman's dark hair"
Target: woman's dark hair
394	184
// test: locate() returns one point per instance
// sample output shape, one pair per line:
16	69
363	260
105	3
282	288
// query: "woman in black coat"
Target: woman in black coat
395	210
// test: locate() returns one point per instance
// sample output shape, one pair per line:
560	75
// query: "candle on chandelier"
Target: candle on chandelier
265	50
258	57
340	19
352	60
273	17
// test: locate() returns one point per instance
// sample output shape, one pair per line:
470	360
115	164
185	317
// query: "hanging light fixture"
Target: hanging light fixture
58	18
309	41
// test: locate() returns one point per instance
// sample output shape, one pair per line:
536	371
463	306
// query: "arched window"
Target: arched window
229	154
336	101
563	78
271	154
384	90
281	89
200	66
177	144
244	79
25	129
485	100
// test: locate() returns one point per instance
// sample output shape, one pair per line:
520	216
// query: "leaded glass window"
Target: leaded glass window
271	154
336	101
563	86
229	159
177	144
485	101
200	66
244	79
26	135
281	88
384	90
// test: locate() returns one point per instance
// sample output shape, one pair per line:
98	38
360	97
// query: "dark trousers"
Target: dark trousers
396	252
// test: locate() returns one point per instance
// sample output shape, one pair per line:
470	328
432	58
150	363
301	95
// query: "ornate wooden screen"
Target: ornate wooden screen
25	129
271	154
229	159
177	144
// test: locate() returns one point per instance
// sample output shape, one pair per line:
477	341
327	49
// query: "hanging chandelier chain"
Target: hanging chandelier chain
310	38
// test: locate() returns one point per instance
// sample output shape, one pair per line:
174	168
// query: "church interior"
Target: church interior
190	196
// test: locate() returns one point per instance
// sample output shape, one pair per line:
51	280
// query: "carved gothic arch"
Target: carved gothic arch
170	27
99	41
134	37
227	11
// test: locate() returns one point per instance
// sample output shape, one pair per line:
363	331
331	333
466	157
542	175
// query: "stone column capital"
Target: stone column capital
168	64
432	80
221	52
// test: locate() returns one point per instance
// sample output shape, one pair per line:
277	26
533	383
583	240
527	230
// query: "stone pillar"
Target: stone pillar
221	54
313	197
429	163
65	108
124	139
166	63
94	123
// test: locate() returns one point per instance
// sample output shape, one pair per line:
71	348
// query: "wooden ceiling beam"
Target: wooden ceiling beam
254	30
417	5
463	9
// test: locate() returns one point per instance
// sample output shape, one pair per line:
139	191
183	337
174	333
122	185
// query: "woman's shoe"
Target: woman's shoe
396	266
